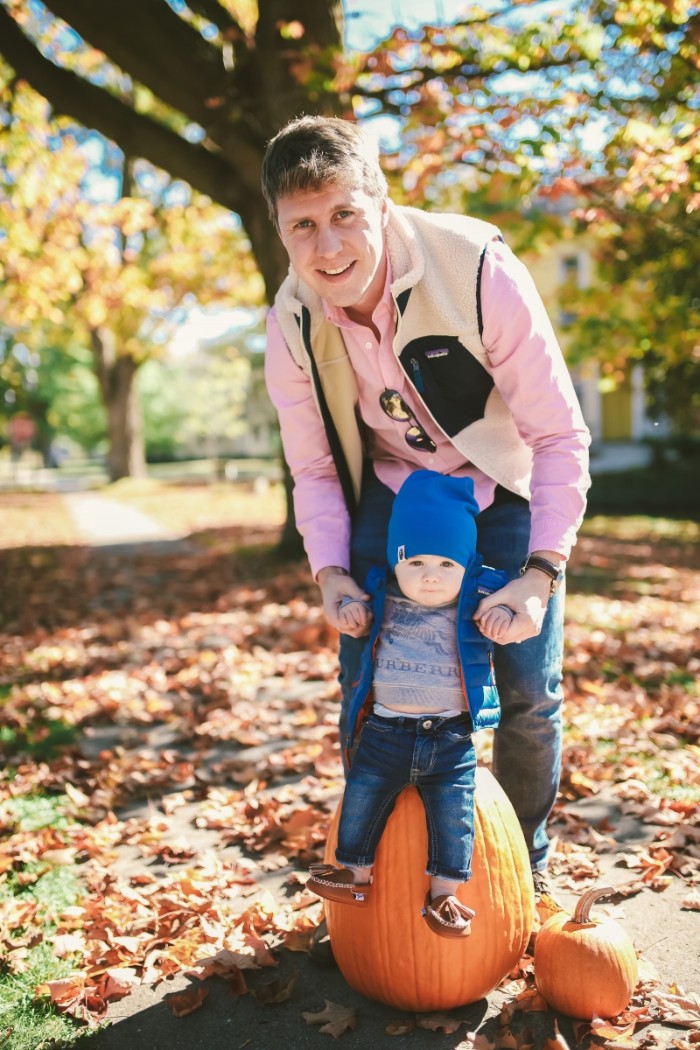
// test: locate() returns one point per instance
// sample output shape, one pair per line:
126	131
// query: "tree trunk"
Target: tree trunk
290	543
115	374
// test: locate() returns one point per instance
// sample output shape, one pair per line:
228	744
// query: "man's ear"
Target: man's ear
385	212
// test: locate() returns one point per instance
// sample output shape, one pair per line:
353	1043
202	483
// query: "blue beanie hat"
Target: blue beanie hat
433	514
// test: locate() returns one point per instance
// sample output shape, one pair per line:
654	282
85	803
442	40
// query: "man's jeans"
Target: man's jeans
437	756
527	744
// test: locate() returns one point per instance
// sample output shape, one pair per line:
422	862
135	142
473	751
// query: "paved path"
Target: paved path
102	521
616	457
666	936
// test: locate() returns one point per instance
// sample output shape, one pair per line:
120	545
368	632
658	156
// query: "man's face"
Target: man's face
335	240
429	579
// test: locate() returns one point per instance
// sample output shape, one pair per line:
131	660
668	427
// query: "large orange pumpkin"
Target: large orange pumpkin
386	950
585	967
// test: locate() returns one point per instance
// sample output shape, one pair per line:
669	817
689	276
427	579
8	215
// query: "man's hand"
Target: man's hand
335	585
527	597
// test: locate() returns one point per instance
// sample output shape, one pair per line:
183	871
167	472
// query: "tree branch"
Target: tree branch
218	16
147	40
137	135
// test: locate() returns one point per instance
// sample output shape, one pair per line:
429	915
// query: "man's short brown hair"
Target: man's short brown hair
311	152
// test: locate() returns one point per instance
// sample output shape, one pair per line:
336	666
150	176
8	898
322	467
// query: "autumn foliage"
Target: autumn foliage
179	706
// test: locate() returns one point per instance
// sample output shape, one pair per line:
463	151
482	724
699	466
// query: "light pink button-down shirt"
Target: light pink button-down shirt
529	371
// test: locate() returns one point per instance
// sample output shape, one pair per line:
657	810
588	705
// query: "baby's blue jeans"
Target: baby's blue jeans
437	756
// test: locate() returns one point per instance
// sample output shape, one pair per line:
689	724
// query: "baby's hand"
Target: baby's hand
354	615
496	623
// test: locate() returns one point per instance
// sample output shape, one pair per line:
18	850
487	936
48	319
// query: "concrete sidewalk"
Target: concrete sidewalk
666	936
616	457
102	521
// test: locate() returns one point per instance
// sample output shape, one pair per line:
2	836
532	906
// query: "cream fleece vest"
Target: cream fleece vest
435	261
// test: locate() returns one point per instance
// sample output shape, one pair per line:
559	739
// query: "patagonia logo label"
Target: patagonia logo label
401	553
430	354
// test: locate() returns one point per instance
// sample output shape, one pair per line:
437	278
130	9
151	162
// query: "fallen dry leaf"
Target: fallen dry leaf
532	1000
692	901
475	1041
237	983
614	1035
678	1009
72	996
334	1019
558	1042
439	1022
117	982
400	1026
224	964
63	989
277	991
183	1003
507	1039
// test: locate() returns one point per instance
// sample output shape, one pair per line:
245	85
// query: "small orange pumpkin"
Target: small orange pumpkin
585	967
386	950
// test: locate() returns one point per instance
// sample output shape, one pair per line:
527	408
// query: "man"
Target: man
401	340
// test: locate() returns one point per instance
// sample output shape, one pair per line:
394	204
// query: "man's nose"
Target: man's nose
328	241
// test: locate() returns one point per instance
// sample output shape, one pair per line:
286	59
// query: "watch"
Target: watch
556	574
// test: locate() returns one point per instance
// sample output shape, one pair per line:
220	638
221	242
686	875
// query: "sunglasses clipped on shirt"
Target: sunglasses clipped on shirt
396	408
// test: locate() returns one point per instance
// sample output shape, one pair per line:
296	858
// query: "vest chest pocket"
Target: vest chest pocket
452	383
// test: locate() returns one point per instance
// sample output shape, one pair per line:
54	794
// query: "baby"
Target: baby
426	683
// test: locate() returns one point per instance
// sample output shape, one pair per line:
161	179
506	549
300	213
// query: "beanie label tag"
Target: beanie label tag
401	553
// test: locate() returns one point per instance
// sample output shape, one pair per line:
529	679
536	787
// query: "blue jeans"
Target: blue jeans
437	756
527	744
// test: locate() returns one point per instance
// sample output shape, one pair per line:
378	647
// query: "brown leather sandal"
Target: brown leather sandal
447	916
336	884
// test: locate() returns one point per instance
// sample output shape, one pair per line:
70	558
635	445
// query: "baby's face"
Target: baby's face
429	579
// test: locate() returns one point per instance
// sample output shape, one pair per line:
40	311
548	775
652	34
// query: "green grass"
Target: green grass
641	527
25	1022
649	763
33	812
42	741
28	1022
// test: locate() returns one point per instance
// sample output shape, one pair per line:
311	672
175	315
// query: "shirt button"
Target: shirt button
368	345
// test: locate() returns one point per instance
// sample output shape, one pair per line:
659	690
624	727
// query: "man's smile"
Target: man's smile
337	271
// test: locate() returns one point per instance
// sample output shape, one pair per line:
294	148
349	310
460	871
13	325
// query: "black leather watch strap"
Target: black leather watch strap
555	573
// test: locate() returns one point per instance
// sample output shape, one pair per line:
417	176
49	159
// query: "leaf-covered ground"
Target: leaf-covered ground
168	730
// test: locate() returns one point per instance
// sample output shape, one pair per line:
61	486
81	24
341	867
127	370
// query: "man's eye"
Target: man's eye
344	213
305	224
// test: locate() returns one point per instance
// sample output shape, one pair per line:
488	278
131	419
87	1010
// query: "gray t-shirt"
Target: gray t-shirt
417	668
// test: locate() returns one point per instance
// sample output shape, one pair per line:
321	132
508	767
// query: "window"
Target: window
570	278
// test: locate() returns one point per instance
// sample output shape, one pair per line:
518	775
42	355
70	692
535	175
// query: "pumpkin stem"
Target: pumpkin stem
587	900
